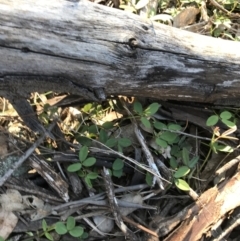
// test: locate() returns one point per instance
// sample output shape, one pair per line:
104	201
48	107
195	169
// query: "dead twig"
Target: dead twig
24	156
128	220
114	205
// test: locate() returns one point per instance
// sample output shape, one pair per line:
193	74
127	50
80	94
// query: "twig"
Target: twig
114	205
217	5
144	167
128	220
148	155
25	156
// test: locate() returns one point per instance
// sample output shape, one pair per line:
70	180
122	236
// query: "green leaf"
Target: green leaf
159	125
84	236
168	136
151	109
185	156
175	141
111	142
48	236
89	162
77	232
173	163
226	115
108	125
103	136
214	146
71	223
44	225
224	148
228	123
212	120
92	175
83	153
88	182
175	150
60	228
149	179
137	107
181	184
81	173
93	129
87	107
124	142
181	171
74	167
118	164
145	122
161	142
117	173
193	162
120	149
84	140
174	127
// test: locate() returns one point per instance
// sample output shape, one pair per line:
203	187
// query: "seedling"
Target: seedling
82	166
70	227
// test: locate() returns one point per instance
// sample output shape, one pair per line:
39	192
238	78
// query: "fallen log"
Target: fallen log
95	51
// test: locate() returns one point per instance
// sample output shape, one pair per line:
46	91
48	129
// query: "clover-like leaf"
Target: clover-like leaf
226	115
108	125
83	153
151	109
181	184
118	164
76	232
124	142
159	125
90	161
88	182
137	106
173	162
181	171
145	122
87	107
44	225
48	236
74	167
111	142
193	161
174	127
92	175
103	136
117	173
224	148
168	136
185	156
71	223
212	120
161	142
228	123
60	228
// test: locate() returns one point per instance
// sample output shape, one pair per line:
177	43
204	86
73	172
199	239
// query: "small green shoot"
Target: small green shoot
81	167
70	227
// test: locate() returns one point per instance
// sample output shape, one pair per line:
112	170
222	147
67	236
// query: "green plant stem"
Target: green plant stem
207	158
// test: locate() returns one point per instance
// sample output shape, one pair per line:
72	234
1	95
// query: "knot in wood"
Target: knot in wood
132	43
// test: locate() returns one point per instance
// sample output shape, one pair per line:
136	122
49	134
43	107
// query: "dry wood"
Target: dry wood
86	49
212	206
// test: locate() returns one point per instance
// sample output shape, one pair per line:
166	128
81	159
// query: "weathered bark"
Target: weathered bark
83	47
198	218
